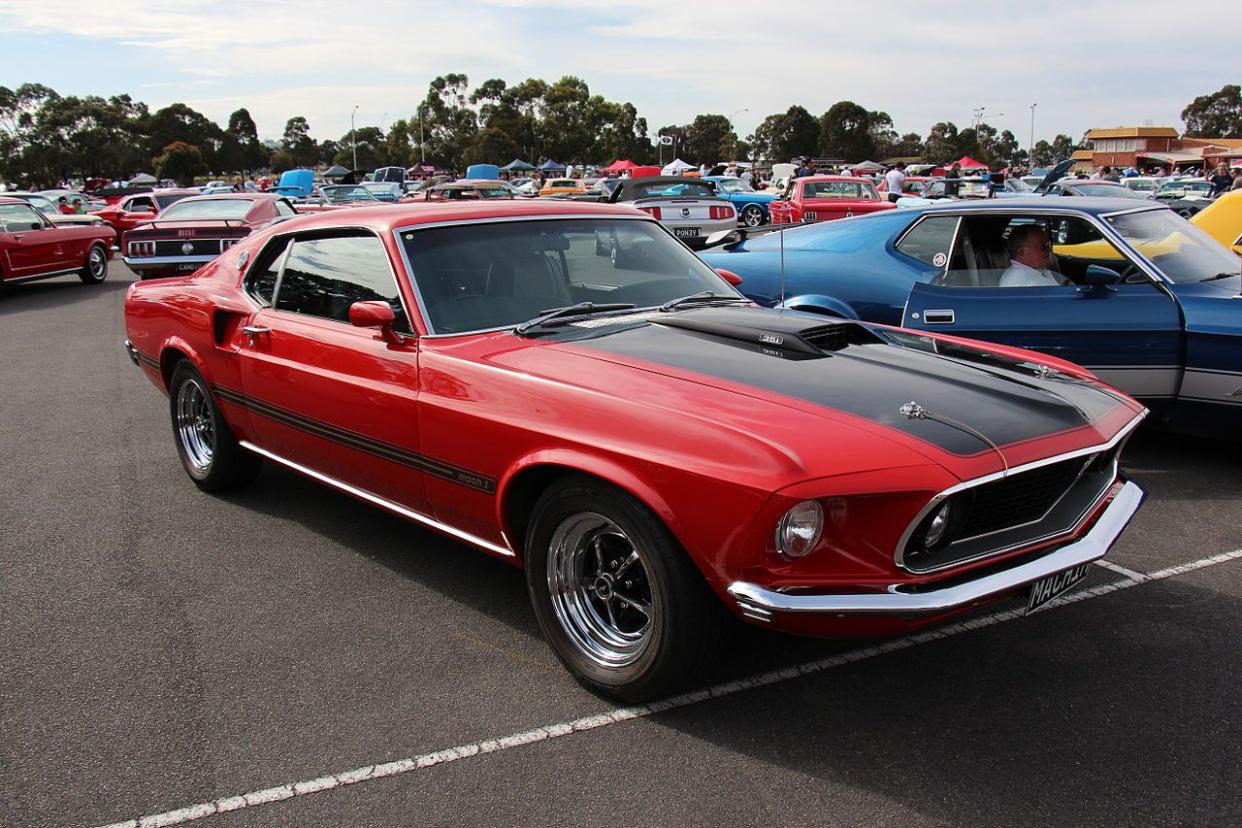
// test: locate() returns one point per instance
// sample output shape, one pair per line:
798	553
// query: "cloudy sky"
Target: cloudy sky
1085	63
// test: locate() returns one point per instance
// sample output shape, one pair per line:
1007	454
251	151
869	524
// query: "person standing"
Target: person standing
952	181
894	180
1221	180
1237	179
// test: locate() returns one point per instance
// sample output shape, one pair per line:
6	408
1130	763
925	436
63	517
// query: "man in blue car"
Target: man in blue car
1030	256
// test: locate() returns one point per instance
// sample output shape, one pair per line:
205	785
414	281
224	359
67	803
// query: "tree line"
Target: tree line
45	136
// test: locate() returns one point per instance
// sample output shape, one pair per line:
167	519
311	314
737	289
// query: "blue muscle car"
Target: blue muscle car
1127	288
752	206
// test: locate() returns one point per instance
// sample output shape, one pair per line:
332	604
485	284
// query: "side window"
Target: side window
283	208
20	218
261	279
324	276
930	241
137	205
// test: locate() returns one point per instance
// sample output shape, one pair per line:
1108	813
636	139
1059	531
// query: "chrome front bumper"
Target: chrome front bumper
131	351
761	604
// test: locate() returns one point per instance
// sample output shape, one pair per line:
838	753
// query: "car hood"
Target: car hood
971	410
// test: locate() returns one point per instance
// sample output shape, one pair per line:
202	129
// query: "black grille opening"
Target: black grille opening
1019	499
1019	509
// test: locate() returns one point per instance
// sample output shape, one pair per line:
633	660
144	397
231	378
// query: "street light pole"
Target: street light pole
353	140
733	132
1031	145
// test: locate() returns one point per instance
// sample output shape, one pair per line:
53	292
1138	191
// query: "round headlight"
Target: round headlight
939	523
799	530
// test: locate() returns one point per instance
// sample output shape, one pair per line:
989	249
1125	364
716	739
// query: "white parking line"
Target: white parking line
1121	570
280	793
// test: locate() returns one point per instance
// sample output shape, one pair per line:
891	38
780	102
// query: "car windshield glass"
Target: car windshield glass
218	208
343	193
1106	190
42	203
483	276
165	200
730	185
1144	186
1017	185
838	189
1183	252
681	189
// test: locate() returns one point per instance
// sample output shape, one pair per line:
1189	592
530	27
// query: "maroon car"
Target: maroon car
31	247
193	231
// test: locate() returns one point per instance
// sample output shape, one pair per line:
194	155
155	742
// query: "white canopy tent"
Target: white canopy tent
677	167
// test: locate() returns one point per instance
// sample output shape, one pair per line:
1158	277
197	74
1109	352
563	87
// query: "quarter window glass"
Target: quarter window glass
19	218
284	209
323	277
261	280
931	241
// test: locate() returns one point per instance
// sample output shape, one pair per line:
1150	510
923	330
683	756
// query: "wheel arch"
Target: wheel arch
525	481
823	305
173	351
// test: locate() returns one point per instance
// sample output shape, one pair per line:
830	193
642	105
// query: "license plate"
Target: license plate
809	216
187	267
686	232
1045	589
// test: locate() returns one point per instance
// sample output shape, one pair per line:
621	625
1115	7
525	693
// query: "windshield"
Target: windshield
1140	185
1182	251
1178	189
733	185
1017	185
42	203
483	276
216	208
840	189
345	193
682	189
165	200
1106	190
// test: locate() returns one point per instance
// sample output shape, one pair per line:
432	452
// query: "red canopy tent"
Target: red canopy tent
968	163
618	166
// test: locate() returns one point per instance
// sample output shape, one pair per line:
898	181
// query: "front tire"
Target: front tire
752	215
619	600
96	268
209	452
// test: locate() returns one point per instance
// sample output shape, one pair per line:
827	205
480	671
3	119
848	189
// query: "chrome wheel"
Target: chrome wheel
196	427
600	590
97	263
752	216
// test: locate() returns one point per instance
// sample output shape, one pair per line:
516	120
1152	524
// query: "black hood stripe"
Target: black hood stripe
1005	400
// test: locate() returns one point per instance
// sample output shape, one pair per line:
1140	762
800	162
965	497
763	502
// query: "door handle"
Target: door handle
939	317
19	236
254	331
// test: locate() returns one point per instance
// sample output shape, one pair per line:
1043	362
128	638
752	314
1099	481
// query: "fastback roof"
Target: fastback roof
388	217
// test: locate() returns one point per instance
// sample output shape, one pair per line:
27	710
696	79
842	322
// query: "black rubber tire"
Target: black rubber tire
89	273
231	466
752	216
688	640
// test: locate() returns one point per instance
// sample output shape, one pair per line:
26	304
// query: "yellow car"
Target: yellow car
562	186
1222	220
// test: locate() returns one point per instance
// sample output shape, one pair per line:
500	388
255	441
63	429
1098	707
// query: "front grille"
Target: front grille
1016	511
1019	499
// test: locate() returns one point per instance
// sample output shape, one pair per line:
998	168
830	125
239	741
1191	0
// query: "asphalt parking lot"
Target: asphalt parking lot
288	656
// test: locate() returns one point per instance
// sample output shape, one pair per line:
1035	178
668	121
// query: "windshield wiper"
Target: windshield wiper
703	297
567	313
1220	276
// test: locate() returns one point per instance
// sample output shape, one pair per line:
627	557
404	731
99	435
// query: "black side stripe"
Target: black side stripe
147	360
352	439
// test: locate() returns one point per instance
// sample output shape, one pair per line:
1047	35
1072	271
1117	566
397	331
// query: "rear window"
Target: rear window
166	200
223	208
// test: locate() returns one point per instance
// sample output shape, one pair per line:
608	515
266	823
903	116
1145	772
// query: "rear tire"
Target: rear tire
209	452
96	268
621	603
752	215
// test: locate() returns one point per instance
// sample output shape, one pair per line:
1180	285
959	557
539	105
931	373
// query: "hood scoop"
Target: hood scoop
778	334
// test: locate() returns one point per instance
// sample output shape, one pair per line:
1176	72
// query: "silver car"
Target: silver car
689	208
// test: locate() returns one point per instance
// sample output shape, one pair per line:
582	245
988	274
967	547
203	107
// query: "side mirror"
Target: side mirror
1099	281
1100	275
729	276
376	314
36	225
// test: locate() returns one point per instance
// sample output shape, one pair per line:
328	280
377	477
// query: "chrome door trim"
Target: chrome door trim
382	502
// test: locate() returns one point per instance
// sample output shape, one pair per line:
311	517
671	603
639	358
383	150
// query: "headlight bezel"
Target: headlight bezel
793	542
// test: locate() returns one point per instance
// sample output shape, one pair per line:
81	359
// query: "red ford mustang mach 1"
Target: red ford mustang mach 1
650	446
